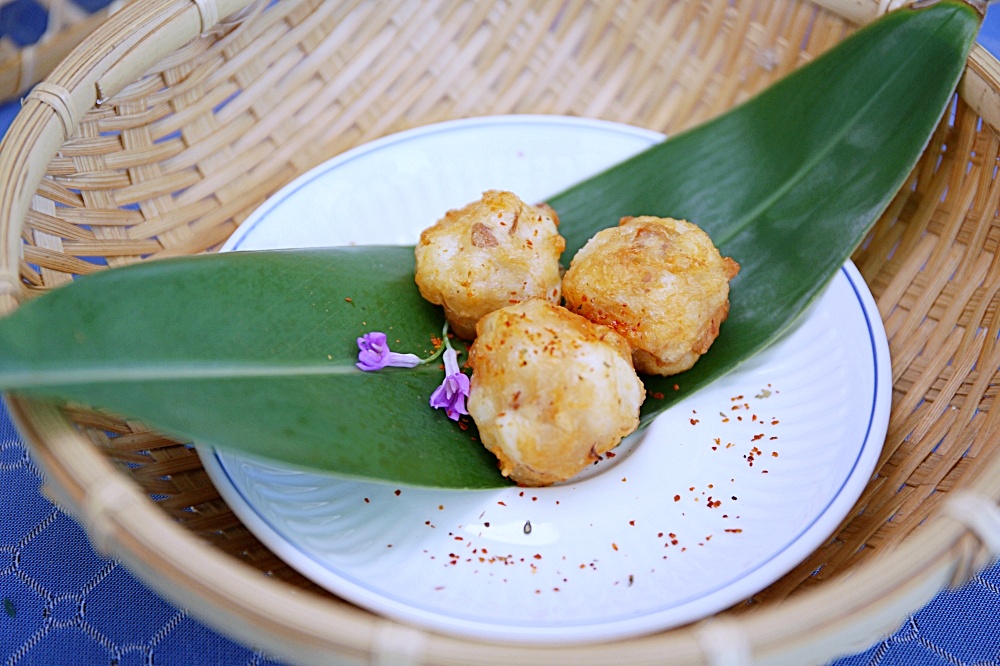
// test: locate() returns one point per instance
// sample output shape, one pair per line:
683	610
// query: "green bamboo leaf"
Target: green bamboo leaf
255	351
790	183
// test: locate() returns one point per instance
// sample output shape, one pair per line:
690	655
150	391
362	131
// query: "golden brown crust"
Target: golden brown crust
660	283
550	391
489	254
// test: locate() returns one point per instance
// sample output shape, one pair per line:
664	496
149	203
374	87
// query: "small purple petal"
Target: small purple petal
374	354
452	392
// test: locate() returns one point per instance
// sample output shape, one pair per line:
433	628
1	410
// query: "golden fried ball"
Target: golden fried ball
550	390
660	283
489	254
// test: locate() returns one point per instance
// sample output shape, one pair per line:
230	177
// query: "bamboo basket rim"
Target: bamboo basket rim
24	66
844	614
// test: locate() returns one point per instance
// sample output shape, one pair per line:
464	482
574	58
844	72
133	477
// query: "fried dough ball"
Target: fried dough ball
489	254
550	391
660	283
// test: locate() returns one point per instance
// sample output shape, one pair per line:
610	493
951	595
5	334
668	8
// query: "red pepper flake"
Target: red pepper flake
486	524
660	535
534	499
439	588
367	501
677	387
609	454
757	437
614	545
632	523
463	425
624	479
775	422
440	507
657	395
501	503
771	439
348	299
398	492
774	454
538	556
388	545
677	498
734	530
694	421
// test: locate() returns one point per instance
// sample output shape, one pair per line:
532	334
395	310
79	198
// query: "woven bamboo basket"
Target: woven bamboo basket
167	126
67	24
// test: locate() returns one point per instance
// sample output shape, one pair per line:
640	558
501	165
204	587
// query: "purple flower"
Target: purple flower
451	395
374	354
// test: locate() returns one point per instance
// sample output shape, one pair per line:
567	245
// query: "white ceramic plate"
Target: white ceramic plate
718	498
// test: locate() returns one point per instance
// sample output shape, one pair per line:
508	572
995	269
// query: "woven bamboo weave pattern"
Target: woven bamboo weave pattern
174	161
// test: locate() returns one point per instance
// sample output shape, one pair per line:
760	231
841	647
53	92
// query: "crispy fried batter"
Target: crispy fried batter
660	283
550	390
489	254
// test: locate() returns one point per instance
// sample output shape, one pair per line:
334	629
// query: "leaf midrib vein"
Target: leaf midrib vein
742	223
178	372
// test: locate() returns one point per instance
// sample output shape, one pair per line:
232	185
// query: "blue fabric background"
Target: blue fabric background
63	604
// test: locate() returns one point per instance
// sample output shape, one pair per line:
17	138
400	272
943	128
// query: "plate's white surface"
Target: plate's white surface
722	495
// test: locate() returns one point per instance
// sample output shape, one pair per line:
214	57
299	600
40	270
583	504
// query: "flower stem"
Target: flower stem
440	350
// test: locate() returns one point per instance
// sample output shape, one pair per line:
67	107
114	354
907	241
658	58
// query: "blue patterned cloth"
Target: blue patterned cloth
64	604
